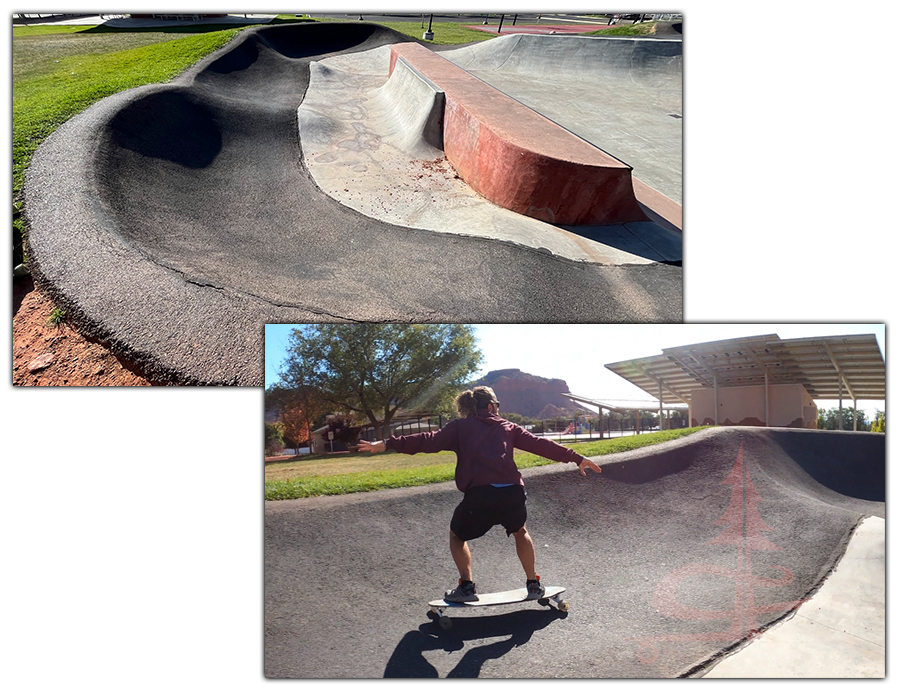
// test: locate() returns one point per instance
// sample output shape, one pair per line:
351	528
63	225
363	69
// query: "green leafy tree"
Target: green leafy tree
274	438
830	419
880	424
373	370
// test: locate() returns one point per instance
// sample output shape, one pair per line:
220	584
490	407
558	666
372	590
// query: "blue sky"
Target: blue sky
577	353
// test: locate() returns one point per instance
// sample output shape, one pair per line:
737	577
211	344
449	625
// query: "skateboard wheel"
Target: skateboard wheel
445	623
563	606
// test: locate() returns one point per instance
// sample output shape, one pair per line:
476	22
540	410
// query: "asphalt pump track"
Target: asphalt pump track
172	222
673	558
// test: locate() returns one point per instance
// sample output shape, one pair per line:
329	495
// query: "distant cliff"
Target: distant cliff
526	394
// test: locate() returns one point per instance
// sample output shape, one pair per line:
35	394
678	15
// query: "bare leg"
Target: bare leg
462	556
525	550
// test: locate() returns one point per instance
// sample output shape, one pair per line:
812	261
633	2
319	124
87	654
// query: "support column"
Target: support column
854	414
716	400
767	398
660	407
840	404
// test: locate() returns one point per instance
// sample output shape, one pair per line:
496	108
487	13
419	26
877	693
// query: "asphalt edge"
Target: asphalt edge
699	669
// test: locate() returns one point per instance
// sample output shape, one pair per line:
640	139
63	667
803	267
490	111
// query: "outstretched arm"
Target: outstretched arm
371	446
546	448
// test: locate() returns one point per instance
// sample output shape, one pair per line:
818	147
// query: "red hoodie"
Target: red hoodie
484	448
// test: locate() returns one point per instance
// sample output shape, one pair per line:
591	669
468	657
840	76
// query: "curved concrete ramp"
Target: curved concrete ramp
656	553
173	221
414	107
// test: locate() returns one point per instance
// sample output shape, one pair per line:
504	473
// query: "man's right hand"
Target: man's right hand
371	446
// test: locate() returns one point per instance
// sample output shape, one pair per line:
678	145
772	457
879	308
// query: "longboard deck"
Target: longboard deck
507	597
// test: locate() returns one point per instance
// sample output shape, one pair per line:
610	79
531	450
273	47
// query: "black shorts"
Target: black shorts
484	507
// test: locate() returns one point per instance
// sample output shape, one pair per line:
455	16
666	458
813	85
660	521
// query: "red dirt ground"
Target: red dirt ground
73	361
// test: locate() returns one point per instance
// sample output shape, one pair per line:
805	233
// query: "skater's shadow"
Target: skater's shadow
408	659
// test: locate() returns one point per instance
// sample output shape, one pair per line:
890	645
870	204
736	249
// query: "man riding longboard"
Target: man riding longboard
493	488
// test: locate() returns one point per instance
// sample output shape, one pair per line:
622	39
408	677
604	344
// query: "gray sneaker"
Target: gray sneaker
535	588
464	592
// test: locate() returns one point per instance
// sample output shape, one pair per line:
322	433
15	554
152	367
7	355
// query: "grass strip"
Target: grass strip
318	484
301	487
445	33
641	29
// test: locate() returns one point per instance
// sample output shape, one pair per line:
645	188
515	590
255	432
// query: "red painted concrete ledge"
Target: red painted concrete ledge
519	159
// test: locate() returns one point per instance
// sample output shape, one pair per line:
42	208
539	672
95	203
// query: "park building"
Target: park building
762	380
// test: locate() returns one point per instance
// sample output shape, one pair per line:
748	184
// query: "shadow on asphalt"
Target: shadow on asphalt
408	658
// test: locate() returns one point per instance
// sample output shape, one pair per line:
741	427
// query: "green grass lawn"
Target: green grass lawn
324	475
445	33
641	29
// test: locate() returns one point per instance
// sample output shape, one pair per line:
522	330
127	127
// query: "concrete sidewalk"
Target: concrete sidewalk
840	632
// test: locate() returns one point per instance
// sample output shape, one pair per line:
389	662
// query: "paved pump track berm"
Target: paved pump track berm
674	555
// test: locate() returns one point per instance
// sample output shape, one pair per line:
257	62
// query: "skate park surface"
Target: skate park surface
173	221
736	552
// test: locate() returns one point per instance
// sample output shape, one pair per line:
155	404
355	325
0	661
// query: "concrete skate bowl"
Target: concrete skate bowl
173	221
654	553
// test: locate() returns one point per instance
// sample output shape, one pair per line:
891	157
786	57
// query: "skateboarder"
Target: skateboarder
488	477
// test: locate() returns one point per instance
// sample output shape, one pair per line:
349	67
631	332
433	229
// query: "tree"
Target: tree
879	425
649	420
274	439
373	369
828	419
341	433
299	410
296	426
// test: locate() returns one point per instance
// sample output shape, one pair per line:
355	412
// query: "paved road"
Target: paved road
172	222
650	551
